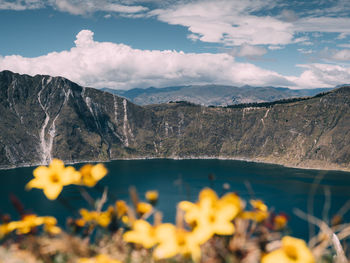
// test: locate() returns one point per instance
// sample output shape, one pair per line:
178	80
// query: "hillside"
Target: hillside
215	95
45	117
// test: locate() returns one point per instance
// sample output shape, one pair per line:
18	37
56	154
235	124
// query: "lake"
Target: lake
283	189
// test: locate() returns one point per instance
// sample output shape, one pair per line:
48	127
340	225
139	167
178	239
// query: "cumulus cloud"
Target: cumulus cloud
105	64
322	75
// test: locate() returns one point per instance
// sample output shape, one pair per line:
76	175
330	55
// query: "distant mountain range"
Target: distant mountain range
215	95
43	117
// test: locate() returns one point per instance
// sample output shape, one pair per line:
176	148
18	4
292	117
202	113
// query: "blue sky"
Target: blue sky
125	44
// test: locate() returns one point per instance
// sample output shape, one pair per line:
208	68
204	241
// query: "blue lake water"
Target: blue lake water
283	189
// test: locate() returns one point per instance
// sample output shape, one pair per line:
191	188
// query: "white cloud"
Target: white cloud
75	7
342	55
249	51
105	64
323	24
81	7
342	36
336	54
19	5
344	45
228	21
275	47
322	75
305	51
233	22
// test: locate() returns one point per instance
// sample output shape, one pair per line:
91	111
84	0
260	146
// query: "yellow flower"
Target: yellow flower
143	208
50	225
101	218
260	212
173	241
52	178
80	222
91	174
142	233
122	208
98	259
27	223
293	250
152	196
125	220
279	222
6	229
257	216
211	215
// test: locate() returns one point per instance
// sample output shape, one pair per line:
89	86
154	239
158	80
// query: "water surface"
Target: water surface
283	189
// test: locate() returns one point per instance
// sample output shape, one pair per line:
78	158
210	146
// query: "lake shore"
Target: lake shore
327	167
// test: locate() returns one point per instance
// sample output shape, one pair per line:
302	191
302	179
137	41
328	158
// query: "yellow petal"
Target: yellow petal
143	208
151	196
259	205
143	233
99	171
55	230
52	191
56	165
224	228
208	193
277	256
297	248
70	176
167	238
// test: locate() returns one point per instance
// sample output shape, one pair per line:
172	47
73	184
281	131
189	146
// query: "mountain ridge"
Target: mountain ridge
46	117
212	95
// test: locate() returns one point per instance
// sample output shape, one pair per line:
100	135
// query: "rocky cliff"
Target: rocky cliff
43	117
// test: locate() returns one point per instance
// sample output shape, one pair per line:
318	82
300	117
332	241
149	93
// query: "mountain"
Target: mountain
44	117
214	95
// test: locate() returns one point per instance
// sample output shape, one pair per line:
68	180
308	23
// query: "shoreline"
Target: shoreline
243	159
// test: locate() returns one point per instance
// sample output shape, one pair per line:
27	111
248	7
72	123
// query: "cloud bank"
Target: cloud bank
105	64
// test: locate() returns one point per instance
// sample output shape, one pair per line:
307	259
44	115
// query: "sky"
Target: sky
124	44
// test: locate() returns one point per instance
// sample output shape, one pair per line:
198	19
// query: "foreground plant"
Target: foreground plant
213	229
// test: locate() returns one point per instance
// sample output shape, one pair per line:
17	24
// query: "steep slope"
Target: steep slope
45	117
216	95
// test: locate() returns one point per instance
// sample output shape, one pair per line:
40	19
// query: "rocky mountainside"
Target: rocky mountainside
215	95
44	117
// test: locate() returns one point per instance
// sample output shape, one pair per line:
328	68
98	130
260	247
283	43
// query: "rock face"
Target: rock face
44	117
212	95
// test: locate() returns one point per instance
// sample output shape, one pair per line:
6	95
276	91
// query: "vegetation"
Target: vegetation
214	229
45	116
